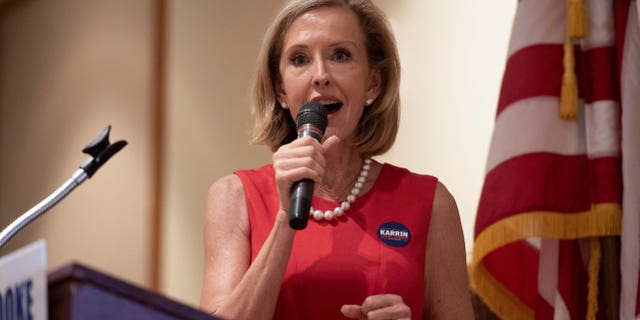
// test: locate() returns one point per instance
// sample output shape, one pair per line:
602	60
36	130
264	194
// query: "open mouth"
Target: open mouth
332	107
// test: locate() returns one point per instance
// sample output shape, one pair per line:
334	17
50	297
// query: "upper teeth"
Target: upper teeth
326	102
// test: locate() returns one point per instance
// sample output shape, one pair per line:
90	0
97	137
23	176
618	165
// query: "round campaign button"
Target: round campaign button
394	234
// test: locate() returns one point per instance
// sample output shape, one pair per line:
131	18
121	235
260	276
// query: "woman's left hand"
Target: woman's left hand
382	306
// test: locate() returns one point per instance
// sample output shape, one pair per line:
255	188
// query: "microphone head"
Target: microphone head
312	113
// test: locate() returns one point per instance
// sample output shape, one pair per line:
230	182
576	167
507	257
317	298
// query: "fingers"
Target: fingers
301	159
353	311
330	145
383	306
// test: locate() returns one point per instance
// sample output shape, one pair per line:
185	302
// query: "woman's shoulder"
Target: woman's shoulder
233	184
443	200
225	209
262	171
226	188
260	177
398	172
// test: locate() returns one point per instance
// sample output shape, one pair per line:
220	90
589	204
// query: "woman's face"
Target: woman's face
324	59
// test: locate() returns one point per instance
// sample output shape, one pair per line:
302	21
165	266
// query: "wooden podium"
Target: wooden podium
78	292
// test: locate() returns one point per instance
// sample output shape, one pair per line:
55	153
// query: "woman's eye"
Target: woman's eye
342	55
299	60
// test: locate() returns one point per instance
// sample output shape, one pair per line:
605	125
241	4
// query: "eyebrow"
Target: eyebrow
333	44
343	42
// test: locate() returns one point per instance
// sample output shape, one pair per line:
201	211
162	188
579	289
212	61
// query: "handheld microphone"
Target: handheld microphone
310	121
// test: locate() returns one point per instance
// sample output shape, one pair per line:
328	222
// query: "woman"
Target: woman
384	243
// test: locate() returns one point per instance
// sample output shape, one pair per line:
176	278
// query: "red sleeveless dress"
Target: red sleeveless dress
377	247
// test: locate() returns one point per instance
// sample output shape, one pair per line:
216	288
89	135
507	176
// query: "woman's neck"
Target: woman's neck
343	168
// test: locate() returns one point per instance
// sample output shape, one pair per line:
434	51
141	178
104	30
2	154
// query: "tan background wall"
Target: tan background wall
212	48
69	67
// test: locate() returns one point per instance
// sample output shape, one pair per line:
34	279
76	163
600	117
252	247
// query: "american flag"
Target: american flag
553	186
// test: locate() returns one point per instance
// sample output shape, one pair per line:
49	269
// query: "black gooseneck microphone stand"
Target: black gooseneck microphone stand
100	150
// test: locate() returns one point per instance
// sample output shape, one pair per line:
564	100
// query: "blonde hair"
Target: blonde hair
378	125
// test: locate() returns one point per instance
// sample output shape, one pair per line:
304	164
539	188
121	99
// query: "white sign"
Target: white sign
23	283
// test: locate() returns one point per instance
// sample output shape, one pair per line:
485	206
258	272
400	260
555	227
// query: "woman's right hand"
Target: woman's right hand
381	306
300	159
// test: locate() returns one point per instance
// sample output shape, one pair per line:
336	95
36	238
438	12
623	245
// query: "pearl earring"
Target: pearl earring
368	102
284	105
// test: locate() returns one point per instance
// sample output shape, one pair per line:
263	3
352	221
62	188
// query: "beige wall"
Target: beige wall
453	56
69	68
212	48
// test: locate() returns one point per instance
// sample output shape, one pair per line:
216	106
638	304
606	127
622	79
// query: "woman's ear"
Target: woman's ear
375	84
281	94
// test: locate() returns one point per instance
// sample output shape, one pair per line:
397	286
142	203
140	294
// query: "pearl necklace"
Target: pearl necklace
345	205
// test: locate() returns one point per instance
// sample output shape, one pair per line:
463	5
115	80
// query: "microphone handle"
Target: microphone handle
302	191
300	204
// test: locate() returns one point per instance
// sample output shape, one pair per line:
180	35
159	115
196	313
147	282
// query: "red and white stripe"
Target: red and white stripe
537	162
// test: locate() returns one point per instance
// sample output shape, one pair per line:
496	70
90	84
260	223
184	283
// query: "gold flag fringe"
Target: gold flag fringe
497	298
602	220
576	28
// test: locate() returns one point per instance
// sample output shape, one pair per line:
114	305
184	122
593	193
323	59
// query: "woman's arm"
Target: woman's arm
447	293
232	287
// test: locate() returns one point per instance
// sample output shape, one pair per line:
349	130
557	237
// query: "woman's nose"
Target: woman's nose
321	76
